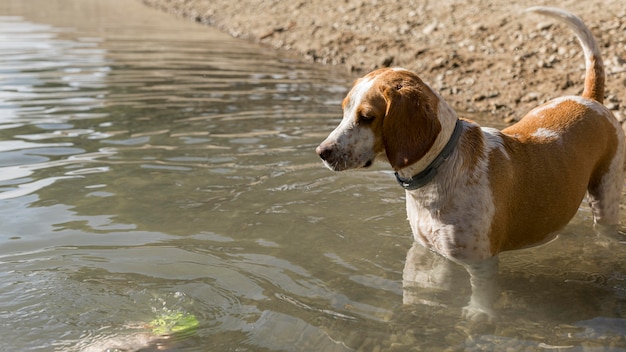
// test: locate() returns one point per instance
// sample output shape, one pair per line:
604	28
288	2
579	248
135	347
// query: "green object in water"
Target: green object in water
173	323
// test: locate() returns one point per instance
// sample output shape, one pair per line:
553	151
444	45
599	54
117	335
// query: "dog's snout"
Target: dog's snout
324	151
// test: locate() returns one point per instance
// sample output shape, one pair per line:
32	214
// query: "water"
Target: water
151	167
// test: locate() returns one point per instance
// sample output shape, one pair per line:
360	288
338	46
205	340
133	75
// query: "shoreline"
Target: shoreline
482	58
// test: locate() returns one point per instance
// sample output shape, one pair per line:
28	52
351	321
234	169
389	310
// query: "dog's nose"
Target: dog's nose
323	151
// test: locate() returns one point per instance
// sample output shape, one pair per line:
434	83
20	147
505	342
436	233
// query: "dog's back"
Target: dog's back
559	151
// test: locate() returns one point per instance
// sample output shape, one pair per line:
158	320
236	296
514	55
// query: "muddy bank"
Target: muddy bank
483	56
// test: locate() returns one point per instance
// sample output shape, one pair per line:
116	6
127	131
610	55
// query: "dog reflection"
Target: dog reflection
432	280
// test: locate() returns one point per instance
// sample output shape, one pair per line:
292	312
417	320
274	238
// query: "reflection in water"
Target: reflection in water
150	165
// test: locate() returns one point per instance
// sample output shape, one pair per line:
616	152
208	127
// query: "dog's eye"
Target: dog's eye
365	118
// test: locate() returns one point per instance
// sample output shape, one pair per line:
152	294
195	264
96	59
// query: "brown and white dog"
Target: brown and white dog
474	192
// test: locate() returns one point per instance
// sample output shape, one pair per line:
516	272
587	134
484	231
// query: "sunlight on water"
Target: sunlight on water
159	190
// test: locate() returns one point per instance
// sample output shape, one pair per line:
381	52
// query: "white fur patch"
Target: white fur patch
493	137
357	94
452	216
353	145
544	133
345	129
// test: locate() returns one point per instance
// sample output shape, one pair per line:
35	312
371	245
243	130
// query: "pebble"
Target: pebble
544	26
530	96
430	28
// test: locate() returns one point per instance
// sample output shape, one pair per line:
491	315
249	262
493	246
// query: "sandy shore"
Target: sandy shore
483	56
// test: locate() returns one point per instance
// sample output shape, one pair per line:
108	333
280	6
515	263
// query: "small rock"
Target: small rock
312	53
404	29
532	96
388	61
496	106
544	26
509	119
430	28
479	28
479	97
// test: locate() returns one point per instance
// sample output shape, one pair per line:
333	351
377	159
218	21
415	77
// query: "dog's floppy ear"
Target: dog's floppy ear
411	125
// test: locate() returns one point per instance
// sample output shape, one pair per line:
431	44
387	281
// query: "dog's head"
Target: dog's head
389	113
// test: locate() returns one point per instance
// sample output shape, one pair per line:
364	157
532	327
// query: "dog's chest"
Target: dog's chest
457	226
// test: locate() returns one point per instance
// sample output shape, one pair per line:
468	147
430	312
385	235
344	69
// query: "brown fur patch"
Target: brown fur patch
540	186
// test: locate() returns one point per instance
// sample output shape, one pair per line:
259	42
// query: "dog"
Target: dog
474	192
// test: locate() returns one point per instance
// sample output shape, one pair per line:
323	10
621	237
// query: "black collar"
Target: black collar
425	176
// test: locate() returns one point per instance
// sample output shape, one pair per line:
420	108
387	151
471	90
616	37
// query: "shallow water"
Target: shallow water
150	166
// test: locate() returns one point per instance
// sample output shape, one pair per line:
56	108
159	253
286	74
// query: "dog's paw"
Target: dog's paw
478	314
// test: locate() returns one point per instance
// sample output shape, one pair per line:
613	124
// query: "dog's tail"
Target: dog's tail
594	68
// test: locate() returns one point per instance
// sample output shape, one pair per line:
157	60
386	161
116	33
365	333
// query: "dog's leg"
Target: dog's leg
606	193
483	277
604	200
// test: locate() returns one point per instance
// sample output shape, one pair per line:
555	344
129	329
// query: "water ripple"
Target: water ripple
151	166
